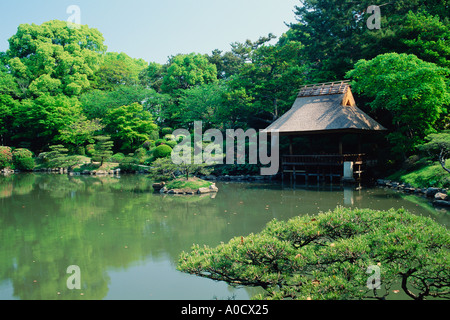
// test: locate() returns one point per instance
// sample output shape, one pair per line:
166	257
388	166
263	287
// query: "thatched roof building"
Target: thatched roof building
324	108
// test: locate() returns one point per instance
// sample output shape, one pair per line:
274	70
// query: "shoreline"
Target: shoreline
439	196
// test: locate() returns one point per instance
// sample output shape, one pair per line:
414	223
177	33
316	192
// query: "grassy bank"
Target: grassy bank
192	184
427	176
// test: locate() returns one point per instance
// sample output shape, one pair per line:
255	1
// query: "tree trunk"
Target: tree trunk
442	159
405	277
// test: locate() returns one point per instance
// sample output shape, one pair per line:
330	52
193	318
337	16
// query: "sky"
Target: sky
154	30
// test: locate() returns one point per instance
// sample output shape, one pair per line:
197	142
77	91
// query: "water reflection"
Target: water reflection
127	240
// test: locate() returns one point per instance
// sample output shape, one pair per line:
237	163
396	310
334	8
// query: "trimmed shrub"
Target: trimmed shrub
117	158
169	137
160	142
166	130
171	144
141	155
23	159
90	150
129	164
162	151
6	157
149	144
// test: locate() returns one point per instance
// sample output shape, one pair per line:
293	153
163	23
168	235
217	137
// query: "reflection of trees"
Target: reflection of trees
97	223
48	222
20	184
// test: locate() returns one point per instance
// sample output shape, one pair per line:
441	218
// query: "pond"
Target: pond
126	240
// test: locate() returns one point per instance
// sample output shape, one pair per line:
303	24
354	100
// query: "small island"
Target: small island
190	186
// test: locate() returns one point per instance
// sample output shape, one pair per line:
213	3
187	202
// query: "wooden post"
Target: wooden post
291	151
341	149
359	143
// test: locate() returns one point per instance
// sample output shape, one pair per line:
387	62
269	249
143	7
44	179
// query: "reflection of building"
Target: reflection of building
326	109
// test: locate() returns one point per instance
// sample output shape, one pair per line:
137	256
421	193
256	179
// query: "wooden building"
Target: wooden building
324	109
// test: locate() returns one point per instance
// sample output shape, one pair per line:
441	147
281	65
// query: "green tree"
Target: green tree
39	121
118	69
327	257
6	160
438	146
187	70
97	103
227	64
9	92
335	33
129	126
414	92
272	79
23	159
103	149
200	103
58	157
81	132
54	59
153	76
421	34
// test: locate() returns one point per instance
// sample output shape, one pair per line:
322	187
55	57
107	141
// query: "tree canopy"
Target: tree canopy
328	256
415	93
187	70
54	78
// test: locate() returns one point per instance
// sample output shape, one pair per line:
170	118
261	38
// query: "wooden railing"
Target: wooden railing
321	166
300	160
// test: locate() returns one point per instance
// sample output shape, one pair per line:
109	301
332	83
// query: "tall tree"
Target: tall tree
103	149
9	91
185	71
421	34
54	59
415	93
38	122
153	75
438	147
80	132
129	126
97	103
271	78
118	69
336	36
200	103
227	64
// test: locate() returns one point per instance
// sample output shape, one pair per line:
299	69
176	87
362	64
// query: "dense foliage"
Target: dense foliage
414	92
59	85
5	157
327	256
23	159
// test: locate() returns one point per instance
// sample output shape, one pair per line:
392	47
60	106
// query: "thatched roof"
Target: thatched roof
324	108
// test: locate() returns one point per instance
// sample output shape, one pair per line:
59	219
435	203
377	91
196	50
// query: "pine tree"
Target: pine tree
103	149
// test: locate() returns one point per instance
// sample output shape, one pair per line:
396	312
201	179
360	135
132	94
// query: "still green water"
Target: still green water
127	240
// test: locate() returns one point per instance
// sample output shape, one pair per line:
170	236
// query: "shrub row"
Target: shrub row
21	159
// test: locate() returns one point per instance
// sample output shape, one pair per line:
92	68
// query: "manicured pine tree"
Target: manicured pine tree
103	149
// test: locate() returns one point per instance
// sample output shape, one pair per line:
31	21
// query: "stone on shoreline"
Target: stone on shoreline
441	196
431	192
442	203
7	171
